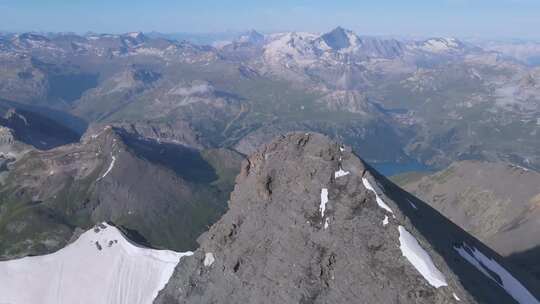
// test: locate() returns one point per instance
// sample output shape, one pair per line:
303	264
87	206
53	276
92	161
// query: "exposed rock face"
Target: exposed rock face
338	38
309	222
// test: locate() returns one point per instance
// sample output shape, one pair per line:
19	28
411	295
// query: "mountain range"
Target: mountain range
308	222
433	101
232	172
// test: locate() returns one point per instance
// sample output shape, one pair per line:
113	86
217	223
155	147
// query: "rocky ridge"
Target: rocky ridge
309	222
162	194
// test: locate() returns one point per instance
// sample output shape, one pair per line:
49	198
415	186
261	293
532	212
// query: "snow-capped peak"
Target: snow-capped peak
439	45
293	46
252	37
303	49
135	35
134	38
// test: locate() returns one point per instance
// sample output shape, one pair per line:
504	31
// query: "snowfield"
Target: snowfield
341	173
488	266
420	258
379	200
102	266
111	166
324	201
209	259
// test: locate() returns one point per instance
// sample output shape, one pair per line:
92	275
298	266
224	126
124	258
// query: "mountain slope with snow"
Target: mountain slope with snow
496	202
291	81
297	232
101	266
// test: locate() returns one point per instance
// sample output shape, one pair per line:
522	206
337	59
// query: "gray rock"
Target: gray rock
272	245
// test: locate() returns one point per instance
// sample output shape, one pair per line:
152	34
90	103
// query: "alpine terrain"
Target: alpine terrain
160	194
496	202
150	167
431	100
310	222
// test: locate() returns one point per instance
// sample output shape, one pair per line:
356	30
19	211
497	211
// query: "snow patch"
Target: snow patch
385	221
519	167
134	34
439	45
412	204
100	267
111	165
420	259
208	259
504	279
324	201
325	223
106	128
456	297
341	173
380	202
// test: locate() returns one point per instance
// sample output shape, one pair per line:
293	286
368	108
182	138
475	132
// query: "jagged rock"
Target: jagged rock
309	222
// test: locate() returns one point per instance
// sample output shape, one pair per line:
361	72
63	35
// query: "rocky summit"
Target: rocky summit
310	222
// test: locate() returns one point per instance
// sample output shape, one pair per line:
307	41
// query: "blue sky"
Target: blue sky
462	18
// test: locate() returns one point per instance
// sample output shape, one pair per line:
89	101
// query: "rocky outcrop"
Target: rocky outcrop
309	222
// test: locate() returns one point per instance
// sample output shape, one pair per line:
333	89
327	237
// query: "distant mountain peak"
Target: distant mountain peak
339	38
251	36
442	44
135	35
253	32
32	36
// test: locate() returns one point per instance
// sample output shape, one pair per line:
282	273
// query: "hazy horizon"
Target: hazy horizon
457	18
